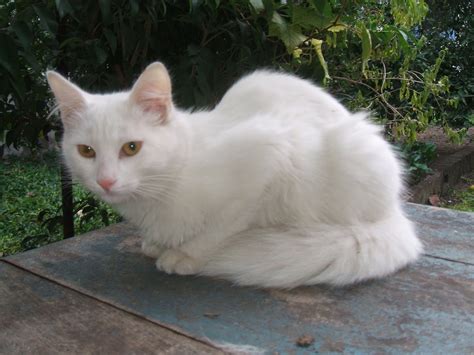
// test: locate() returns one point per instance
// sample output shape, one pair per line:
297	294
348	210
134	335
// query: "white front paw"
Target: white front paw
152	249
173	261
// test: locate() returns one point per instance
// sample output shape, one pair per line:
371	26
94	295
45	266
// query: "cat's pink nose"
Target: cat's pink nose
106	184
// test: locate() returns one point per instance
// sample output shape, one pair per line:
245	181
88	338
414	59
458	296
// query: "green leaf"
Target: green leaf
366	46
134	7
317	45
257	5
194	4
24	34
105	6
290	35
42	214
269	6
71	42
32	61
111	39
8	55
337	28
324	7
47	20
101	54
309	18
297	53
401	36
64	8
105	216
408	13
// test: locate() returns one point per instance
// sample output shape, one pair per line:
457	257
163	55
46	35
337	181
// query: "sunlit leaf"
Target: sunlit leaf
366	46
317	45
337	28
257	4
297	53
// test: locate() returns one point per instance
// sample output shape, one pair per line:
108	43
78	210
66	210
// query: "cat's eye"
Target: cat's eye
86	151
131	148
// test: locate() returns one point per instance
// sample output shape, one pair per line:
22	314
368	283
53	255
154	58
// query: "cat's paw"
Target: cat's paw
152	249
173	261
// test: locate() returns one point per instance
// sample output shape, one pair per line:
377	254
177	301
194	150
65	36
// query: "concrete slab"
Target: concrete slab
426	308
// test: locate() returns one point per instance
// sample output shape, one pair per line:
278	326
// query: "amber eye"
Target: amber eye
86	151
131	148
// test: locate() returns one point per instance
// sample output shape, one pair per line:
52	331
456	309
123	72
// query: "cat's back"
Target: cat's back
270	91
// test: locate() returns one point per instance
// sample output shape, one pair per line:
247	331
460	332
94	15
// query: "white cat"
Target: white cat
278	186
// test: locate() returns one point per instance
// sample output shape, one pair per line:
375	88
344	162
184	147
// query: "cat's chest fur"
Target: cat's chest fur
236	171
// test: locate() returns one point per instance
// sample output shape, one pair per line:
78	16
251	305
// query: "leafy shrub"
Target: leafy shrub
369	53
449	26
418	156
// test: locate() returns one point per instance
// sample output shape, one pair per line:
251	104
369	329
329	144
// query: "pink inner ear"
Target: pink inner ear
153	105
150	98
71	107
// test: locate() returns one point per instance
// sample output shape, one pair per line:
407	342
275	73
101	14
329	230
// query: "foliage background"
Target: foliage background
407	61
379	55
30	205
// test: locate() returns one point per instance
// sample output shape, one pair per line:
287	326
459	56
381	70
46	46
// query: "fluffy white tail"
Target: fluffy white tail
338	255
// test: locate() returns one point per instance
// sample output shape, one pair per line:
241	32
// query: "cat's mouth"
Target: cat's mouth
112	197
119	193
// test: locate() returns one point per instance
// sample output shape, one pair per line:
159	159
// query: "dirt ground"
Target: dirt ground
444	146
445	149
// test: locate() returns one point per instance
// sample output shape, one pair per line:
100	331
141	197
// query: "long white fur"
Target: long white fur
278	186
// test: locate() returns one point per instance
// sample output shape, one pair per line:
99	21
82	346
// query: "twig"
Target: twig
379	96
384	76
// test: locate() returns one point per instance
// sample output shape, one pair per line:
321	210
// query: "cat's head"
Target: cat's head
121	145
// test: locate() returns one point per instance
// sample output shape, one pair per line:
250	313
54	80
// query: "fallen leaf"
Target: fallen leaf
434	200
304	341
211	315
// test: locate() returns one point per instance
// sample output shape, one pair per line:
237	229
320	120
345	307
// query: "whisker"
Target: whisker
161	193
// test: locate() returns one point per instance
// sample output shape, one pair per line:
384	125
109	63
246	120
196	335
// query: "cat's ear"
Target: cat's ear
69	97
152	92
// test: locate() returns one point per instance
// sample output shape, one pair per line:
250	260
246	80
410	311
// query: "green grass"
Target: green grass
467	202
30	187
463	200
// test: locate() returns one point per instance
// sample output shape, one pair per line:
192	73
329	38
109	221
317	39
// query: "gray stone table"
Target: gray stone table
97	293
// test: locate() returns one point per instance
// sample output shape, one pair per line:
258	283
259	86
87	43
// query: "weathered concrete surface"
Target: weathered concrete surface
445	233
426	308
40	317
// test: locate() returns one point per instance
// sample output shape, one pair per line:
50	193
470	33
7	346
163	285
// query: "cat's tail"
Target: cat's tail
337	255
